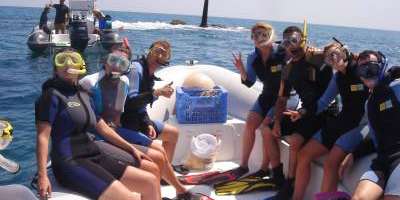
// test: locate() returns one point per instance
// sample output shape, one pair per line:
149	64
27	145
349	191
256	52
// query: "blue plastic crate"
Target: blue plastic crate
192	108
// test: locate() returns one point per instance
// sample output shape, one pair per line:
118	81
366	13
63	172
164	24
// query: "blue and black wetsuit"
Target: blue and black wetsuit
135	116
383	110
353	94
269	73
109	96
77	162
309	81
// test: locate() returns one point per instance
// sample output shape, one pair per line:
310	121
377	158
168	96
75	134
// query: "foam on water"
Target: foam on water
158	25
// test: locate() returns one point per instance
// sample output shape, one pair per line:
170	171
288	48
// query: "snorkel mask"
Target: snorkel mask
262	34
373	70
6	133
73	60
337	54
292	41
162	55
118	64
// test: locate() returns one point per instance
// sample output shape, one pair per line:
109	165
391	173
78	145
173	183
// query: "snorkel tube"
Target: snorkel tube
305	34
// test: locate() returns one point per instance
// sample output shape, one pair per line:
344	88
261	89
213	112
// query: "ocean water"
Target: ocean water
21	73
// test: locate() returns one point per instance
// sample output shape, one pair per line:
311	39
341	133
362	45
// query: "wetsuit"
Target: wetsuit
309	81
353	94
383	110
135	116
269	73
109	97
77	162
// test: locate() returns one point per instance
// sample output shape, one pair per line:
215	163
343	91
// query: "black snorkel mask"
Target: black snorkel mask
374	70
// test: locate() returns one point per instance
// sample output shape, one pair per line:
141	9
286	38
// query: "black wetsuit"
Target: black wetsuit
309	81
269	73
135	116
353	94
43	22
77	162
384	118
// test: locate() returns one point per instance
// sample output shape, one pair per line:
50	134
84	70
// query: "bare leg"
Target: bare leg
331	169
151	167
117	190
142	182
367	190
272	146
295	141
266	158
159	156
252	123
169	136
312	150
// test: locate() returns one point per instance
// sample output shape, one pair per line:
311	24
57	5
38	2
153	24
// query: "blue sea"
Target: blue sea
22	73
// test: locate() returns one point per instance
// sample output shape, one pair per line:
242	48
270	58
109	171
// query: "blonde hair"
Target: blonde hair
265	26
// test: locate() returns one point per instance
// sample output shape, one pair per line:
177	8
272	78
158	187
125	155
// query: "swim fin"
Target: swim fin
192	196
244	185
197	178
254	177
226	176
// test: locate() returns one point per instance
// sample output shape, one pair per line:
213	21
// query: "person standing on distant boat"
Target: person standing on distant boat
381	181
43	20
336	136
306	74
141	93
264	63
62	15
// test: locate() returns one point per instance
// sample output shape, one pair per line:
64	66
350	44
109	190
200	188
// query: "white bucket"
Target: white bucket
204	148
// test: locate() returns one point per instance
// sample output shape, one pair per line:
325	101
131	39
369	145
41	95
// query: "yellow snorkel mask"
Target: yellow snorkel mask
6	133
73	60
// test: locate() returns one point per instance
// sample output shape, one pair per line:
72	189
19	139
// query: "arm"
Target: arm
42	150
248	77
328	96
135	99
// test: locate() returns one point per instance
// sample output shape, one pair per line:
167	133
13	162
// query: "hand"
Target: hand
276	131
237	61
294	115
346	164
152	132
139	155
44	187
165	91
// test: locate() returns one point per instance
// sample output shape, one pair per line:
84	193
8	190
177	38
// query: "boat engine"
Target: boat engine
78	34
38	41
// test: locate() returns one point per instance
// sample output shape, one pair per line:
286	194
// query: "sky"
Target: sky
376	14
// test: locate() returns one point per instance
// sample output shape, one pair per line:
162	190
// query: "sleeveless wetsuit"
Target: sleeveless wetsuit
77	162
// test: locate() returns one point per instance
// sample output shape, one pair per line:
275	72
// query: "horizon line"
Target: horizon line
226	17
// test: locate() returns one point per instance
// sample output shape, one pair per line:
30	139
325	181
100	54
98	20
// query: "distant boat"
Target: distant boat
80	35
